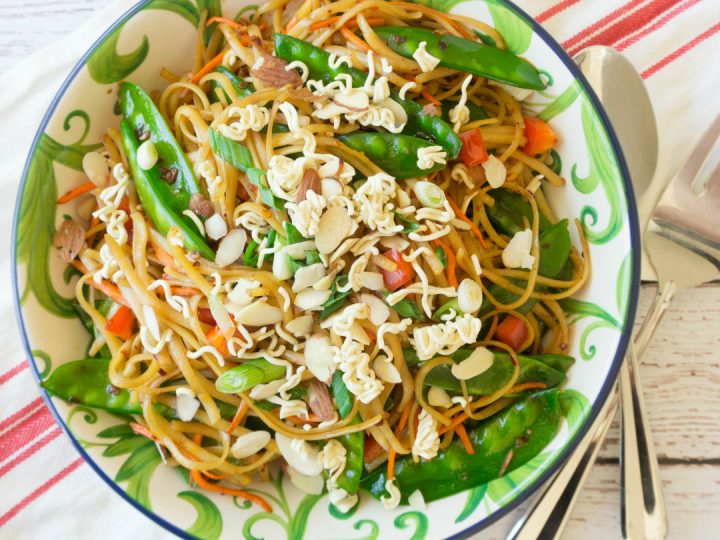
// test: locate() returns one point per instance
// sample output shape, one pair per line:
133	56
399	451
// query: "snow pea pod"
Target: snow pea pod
242	89
418	124
533	368
396	154
86	382
354	443
509	212
464	55
158	199
524	428
143	117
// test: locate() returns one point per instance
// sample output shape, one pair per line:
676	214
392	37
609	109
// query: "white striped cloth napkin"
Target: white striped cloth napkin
47	490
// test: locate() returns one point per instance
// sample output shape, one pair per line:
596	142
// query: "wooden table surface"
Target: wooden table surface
681	369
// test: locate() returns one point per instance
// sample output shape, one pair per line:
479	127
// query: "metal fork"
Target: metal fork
683	241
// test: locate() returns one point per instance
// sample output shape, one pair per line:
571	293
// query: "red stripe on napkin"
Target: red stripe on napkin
28	452
662	21
627	25
590	30
25	432
9	374
681	51
557	8
14	418
39	491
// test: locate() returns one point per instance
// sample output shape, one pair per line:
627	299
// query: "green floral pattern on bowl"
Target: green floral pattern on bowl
137	48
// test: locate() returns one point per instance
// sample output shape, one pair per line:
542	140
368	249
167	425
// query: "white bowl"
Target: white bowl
153	35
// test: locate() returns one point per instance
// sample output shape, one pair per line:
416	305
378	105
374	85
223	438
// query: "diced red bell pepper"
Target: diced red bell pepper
401	275
512	332
540	136
473	150
122	324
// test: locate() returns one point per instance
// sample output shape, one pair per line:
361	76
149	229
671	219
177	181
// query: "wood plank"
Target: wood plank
28	26
692	493
681	377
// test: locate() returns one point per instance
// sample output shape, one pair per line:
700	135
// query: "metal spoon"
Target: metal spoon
624	97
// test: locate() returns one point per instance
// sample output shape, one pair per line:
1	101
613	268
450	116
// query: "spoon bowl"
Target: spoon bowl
626	101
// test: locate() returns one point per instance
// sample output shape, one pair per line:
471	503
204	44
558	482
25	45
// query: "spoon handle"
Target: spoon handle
643	504
546	519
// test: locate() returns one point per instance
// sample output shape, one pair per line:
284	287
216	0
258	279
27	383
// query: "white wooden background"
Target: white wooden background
681	369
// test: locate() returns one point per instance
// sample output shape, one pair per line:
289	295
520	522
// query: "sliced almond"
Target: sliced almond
186	405
264	391
300	455
96	168
379	310
249	444
215	227
371	280
310	299
310	182
394	242
231	247
319	400
297	250
320	356
437	397
313	485
495	171
333	227
359	334
70	238
307	276
300	326
386	371
259	313
356	100
478	362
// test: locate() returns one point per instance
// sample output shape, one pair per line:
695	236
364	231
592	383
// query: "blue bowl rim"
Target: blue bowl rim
633	223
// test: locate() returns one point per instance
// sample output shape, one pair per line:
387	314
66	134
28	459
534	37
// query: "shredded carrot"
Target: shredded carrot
203	483
437	14
352	38
403	420
184	291
162	256
311	419
427	95
232	24
139	429
217	340
456	421
110	290
292	22
207	68
459	213
462	434
451	262
239	415
76	192
352	23
506	463
370	336
391	464
532	385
